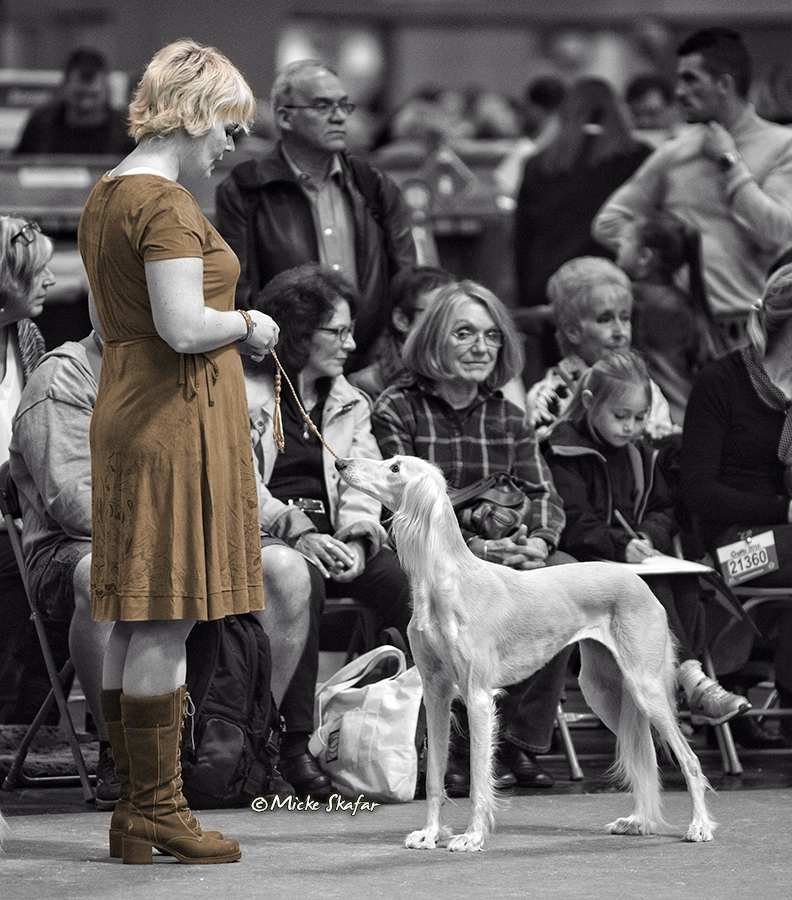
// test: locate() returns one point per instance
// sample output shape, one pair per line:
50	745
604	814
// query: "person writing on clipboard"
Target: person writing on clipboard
618	509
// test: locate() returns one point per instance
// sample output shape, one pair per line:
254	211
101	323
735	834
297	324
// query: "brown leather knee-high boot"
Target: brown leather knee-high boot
110	702
158	814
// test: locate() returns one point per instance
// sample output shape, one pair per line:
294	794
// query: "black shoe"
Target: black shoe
526	769
276	785
304	775
750	734
505	779
457	776
107	784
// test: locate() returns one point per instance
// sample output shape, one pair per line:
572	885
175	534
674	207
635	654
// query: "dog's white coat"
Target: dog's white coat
478	626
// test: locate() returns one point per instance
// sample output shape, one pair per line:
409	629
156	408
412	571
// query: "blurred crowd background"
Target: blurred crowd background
451	94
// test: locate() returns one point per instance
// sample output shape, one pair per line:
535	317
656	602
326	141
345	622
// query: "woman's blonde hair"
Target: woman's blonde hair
20	261
427	349
770	314
189	86
575	286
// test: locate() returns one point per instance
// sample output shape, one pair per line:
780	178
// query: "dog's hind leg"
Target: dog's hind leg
636	766
606	692
664	720
482	719
651	685
438	693
601	682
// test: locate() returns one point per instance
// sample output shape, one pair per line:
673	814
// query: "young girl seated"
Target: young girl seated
673	328
618	509
592	308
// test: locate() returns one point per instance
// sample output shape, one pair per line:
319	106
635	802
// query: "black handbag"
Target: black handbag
493	507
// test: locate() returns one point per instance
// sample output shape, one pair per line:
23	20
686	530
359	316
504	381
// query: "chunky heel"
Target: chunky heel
136	852
116	843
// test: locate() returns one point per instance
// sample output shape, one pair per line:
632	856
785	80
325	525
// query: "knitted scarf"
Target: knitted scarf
773	397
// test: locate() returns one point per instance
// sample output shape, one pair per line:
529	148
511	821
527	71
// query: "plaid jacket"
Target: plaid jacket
31	346
410	419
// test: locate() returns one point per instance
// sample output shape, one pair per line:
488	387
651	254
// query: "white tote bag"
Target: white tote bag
365	735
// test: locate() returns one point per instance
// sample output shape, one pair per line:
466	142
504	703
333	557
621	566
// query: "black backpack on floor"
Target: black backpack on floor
230	744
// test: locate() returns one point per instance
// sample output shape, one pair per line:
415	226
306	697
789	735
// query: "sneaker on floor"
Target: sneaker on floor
107	785
710	702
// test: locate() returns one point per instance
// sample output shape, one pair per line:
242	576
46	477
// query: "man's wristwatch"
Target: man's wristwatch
727	160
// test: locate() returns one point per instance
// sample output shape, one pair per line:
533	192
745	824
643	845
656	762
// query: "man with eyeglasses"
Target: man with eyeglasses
309	200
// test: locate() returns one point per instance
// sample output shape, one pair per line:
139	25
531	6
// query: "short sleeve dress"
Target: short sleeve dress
175	531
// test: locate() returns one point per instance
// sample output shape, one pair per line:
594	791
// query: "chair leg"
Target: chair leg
15	772
730	760
56	695
728	751
575	771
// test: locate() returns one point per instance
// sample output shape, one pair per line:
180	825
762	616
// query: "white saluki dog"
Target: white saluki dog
478	626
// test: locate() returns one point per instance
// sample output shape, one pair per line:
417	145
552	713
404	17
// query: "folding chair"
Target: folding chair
9	507
755	598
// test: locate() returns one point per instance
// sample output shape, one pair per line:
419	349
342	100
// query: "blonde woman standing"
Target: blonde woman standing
175	526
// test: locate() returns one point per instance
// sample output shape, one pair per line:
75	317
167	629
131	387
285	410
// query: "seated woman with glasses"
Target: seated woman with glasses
450	410
25	277
302	500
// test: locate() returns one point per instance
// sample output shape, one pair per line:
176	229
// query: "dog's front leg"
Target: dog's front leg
482	719
437	697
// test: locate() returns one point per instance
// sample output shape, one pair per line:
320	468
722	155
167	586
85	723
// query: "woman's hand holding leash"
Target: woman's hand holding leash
261	338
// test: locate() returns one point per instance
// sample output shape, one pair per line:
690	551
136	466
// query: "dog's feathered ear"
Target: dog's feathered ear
422	500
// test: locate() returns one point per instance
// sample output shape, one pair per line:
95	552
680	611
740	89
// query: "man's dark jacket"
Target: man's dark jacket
266	218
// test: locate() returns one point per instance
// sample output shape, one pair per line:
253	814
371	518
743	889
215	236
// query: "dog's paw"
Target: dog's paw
421	840
700	832
466	843
628	825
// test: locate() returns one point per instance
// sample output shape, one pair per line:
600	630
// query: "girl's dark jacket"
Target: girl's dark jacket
583	479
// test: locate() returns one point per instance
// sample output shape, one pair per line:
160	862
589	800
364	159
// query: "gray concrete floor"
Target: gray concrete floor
546	846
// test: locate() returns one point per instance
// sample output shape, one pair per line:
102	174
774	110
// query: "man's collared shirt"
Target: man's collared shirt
335	226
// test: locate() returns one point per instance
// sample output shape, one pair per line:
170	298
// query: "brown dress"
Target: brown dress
174	510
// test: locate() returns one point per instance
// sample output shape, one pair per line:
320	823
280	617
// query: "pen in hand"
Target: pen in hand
626	525
644	549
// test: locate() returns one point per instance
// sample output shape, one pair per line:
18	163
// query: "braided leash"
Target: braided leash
277	421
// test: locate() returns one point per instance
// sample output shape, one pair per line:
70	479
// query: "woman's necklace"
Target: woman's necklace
309	400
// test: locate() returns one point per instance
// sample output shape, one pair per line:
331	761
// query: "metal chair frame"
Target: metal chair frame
9	508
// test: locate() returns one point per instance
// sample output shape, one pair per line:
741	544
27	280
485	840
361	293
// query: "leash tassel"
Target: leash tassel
277	421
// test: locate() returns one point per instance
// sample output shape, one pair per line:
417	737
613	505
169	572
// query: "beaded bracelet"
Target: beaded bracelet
251	325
